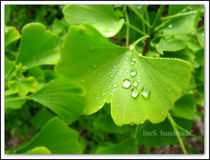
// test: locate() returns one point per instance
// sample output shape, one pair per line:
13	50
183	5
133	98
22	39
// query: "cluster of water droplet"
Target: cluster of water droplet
134	82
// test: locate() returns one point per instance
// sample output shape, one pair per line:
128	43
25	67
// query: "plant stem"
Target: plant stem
17	98
178	15
127	28
173	123
157	18
140	16
193	135
136	29
140	39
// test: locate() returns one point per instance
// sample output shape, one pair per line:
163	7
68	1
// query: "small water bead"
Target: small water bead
139	6
170	25
135	83
126	83
134	92
140	54
103	94
118	73
115	85
139	79
132	63
133	73
131	47
97	98
145	92
114	90
126	58
134	60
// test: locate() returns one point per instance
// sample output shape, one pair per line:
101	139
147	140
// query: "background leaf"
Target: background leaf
63	97
37	46
57	137
38	150
101	17
11	35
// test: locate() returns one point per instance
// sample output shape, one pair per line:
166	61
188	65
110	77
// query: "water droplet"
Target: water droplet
118	105
135	83
126	58
103	94
139	6
134	92
139	79
140	54
145	92
142	116
97	98
132	63
115	85
170	25
131	47
133	73
111	75
114	90
126	83
134	60
118	73
114	66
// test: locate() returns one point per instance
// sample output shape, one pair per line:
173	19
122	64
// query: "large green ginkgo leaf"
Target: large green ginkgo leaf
63	97
138	88
102	17
38	46
57	137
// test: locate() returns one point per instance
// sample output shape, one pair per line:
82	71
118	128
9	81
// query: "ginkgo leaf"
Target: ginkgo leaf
38	150
11	35
63	97
8	66
183	108
128	146
139	88
170	44
57	137
101	17
38	46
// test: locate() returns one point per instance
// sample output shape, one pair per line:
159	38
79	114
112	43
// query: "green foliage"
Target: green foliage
117	76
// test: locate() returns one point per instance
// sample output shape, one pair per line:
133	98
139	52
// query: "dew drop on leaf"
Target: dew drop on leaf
132	63
170	25
114	90
139	6
131	47
133	73
103	94
135	83
97	98
139	79
134	92
145	92
126	83
115	85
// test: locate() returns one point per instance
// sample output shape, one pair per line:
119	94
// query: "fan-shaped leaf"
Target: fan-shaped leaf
37	46
139	88
101	17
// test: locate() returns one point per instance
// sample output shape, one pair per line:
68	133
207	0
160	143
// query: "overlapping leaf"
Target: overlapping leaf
103	67
38	46
63	97
11	35
57	137
101	17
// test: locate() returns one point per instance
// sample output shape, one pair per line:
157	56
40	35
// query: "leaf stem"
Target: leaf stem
135	28
17	98
193	135
139	40
157	17
178	15
173	123
128	25
140	16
